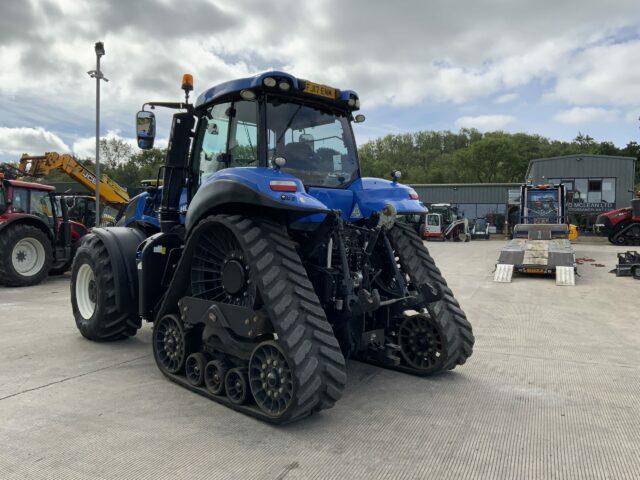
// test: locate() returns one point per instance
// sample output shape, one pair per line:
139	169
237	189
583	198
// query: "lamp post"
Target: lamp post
97	74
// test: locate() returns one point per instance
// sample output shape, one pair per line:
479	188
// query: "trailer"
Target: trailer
540	243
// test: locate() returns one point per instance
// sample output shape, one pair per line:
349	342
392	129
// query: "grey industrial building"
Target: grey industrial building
594	184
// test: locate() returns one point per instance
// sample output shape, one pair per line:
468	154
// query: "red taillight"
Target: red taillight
413	195
283	186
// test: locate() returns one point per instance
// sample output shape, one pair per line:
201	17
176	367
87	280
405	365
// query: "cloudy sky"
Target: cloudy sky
547	67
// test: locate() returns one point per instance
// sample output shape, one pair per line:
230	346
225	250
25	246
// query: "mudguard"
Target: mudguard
232	192
28	219
122	244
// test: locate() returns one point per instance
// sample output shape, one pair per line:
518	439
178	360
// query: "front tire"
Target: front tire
93	295
25	256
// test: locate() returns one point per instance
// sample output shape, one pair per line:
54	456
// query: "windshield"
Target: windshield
543	206
317	145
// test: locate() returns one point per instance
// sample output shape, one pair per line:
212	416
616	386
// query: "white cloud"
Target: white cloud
506	98
85	147
16	141
579	115
425	52
607	74
485	123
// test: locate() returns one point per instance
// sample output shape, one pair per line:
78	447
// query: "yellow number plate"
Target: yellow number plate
320	90
535	270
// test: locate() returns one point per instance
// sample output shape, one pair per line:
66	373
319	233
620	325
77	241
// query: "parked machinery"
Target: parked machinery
36	236
275	260
540	243
445	223
621	226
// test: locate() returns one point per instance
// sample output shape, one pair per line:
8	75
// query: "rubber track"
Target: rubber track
7	277
421	268
114	324
295	313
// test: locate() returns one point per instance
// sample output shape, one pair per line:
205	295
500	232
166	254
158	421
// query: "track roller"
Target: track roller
214	374
194	368
236	385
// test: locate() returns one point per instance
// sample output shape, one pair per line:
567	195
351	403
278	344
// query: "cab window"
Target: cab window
214	139
229	134
20	200
41	206
244	135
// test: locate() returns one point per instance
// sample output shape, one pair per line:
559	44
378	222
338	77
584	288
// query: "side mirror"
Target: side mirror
359	118
145	129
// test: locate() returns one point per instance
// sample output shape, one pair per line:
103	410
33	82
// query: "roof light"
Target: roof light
283	186
357	103
187	82
248	94
413	195
269	82
284	86
351	102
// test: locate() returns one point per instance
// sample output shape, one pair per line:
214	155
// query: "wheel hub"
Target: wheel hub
233	276
421	342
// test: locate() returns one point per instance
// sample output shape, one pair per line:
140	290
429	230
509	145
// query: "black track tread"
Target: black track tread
113	324
421	268
8	238
304	333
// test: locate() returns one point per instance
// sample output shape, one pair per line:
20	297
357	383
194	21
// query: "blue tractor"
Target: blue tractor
275	260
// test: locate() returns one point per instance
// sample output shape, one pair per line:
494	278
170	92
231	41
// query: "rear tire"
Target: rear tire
93	295
25	255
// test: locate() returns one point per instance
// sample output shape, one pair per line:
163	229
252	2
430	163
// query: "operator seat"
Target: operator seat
299	155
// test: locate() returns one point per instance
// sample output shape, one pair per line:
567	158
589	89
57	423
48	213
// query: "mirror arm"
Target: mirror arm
173	105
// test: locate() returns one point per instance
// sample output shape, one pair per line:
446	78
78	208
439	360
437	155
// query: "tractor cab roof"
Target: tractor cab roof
30	185
284	84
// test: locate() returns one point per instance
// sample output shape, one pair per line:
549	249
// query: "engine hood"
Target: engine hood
368	195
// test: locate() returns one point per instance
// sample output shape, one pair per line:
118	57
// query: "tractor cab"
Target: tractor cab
287	140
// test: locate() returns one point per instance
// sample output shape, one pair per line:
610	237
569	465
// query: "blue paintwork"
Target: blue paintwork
370	194
255	82
146	206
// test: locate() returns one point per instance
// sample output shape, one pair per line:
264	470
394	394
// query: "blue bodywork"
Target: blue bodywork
368	194
248	83
145	207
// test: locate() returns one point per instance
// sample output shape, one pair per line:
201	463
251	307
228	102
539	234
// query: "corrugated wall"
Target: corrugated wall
464	193
588	166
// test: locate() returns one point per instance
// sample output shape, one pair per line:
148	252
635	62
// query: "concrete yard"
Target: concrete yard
552	391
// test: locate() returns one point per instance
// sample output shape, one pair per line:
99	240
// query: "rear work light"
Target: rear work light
413	195
283	186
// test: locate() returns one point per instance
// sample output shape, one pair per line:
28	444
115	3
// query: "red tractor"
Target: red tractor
36	235
622	226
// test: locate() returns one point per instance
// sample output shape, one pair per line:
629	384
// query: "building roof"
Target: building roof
458	185
582	155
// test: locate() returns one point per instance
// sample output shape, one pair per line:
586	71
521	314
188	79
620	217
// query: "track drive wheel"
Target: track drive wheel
253	263
416	261
94	295
25	255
